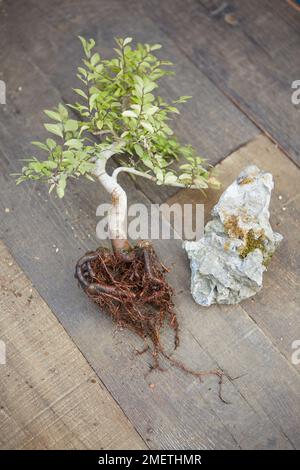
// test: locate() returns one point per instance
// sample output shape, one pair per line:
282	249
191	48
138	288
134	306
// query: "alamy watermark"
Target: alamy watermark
295	98
295	358
157	221
2	92
2	353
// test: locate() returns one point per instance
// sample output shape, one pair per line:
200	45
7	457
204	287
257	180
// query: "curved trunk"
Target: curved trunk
117	219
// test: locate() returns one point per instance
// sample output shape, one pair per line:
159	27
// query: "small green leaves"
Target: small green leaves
127	41
146	125
138	150
61	186
170	178
95	59
80	93
87	45
155	47
51	144
182	99
117	103
71	125
40	145
150	110
55	129
149	86
53	115
74	144
129	113
63	112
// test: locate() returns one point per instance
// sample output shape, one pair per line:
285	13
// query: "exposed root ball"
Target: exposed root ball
132	288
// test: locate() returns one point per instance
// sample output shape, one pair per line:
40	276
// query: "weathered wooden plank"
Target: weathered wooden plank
276	308
46	225
177	412
252	56
50	397
167	416
210	122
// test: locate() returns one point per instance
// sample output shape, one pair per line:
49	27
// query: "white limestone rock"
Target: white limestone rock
228	262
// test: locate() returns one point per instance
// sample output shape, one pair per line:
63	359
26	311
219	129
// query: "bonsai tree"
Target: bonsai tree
119	113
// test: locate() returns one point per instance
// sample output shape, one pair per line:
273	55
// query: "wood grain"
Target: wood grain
168	415
46	236
50	397
249	50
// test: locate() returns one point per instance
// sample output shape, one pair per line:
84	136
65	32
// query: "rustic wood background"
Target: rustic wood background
73	381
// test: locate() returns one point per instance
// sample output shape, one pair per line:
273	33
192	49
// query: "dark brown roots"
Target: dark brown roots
132	288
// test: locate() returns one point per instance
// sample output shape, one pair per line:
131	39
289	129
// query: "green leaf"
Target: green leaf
182	99
50	165
82	129
82	71
170	178
129	113
127	41
84	44
63	111
148	163
80	93
150	86
71	125
89	177
185	176
155	47
152	110
93	100
159	174
51	144
95	59
87	45
139	81
55	129
200	183
40	145
52	115
137	107
139	150
51	188
146	125
186	166
117	98
61	186
74	143
68	154
172	109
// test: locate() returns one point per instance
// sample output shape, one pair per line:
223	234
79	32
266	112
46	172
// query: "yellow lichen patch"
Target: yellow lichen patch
252	243
246	180
233	228
267	259
226	245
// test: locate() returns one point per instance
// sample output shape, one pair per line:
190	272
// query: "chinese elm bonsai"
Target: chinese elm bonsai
119	114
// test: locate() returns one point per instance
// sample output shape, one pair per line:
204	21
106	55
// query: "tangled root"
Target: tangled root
132	288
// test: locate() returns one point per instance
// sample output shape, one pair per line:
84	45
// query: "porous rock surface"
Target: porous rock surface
228	262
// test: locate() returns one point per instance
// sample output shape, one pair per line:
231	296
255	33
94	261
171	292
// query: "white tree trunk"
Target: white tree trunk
117	219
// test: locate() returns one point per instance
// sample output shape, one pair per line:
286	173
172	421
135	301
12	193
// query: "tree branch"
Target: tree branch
135	172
